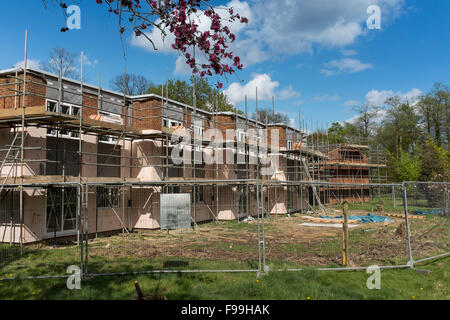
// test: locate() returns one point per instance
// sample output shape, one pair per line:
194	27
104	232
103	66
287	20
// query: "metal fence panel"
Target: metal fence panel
429	219
184	228
41	240
175	211
305	228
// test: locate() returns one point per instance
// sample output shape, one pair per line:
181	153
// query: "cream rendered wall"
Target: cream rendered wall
35	138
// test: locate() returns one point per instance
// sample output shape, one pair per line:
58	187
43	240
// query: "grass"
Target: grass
312	284
232	245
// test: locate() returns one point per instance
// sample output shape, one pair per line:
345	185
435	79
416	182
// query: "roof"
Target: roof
281	124
143	96
14	70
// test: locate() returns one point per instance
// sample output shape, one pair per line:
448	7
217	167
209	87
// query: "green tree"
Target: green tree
408	167
336	133
435	162
400	131
205	95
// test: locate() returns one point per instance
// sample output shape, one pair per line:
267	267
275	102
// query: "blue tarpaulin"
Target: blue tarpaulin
425	212
363	219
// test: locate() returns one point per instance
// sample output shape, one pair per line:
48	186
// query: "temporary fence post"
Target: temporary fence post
393	195
80	226
345	261
446	213
259	222
263	241
85	226
408	233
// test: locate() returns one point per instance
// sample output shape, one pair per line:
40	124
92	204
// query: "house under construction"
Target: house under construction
55	130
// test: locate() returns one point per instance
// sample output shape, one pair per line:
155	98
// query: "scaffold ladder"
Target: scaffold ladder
11	157
313	187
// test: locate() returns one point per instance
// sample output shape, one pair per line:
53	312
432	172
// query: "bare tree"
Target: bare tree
366	116
270	116
62	60
131	84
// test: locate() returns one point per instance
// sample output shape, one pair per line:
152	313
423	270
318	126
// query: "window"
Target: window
107	139
240	136
76	111
173	189
107	197
9	206
51	106
168	123
63	133
198	135
61	210
289	145
65	108
198	194
69	109
198	131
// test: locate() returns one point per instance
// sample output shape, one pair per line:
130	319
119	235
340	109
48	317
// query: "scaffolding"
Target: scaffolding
58	130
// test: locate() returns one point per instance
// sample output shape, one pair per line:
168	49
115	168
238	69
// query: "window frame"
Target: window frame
289	145
107	193
53	132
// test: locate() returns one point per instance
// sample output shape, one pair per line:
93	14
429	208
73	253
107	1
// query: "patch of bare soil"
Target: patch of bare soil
285	240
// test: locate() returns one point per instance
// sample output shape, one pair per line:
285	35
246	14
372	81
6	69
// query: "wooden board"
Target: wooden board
401	215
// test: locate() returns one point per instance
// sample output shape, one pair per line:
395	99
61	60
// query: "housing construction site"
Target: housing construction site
89	178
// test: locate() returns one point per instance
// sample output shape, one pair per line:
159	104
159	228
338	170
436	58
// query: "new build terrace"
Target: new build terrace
58	134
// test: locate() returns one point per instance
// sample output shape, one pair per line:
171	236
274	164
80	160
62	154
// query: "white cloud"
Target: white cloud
289	27
181	66
345	65
31	63
266	89
88	62
378	98
287	93
351	103
236	92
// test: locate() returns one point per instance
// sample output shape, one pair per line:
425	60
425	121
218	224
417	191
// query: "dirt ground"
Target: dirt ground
286	241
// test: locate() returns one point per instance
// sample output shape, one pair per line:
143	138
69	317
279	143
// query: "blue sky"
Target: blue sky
317	56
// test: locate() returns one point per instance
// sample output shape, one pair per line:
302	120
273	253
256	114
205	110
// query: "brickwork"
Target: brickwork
33	90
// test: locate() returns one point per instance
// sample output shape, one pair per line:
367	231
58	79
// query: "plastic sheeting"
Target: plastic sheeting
363	219
426	212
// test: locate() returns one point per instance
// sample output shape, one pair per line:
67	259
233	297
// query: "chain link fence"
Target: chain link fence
243	226
428	211
42	239
176	228
310	232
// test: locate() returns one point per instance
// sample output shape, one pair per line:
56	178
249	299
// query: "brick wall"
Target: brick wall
224	122
149	118
31	88
90	104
